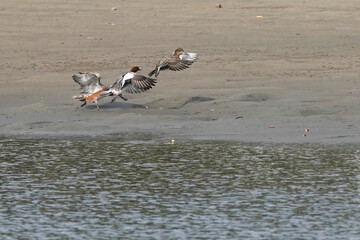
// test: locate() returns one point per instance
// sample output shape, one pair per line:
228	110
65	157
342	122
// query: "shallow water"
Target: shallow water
113	188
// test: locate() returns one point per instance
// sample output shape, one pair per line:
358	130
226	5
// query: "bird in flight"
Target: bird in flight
131	82
178	60
92	90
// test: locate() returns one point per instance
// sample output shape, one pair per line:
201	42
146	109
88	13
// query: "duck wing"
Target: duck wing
181	62
139	83
89	82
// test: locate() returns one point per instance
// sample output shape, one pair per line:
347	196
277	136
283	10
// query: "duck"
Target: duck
92	89
178	60
131	82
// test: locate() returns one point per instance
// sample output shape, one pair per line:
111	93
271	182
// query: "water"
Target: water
117	188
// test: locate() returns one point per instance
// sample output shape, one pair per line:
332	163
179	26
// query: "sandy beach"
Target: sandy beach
267	70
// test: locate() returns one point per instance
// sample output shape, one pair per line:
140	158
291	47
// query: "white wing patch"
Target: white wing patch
128	75
189	56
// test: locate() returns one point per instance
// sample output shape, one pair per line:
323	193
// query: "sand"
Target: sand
267	70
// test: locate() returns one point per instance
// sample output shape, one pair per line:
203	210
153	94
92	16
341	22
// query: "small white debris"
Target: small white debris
114	9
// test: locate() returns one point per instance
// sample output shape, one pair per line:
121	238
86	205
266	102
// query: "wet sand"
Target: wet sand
287	64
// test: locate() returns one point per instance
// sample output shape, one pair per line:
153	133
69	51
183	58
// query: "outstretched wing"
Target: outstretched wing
182	62
88	81
139	83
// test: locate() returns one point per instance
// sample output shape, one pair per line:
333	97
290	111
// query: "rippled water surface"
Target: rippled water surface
111	188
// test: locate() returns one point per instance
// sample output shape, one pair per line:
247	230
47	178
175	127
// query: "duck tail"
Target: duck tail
80	98
152	72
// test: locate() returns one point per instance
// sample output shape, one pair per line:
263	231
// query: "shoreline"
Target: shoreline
195	130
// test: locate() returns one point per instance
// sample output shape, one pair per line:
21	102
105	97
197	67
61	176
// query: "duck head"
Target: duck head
178	52
135	69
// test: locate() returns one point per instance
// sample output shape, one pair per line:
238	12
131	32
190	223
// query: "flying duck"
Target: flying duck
92	89
131	82
178	60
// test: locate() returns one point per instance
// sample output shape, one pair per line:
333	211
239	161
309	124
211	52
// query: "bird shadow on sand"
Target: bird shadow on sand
170	103
178	102
116	105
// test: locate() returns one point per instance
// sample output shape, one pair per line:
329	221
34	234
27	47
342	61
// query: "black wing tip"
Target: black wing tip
156	72
77	75
151	73
151	81
75	78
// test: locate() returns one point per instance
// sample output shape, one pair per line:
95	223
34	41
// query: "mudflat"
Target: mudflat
267	70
